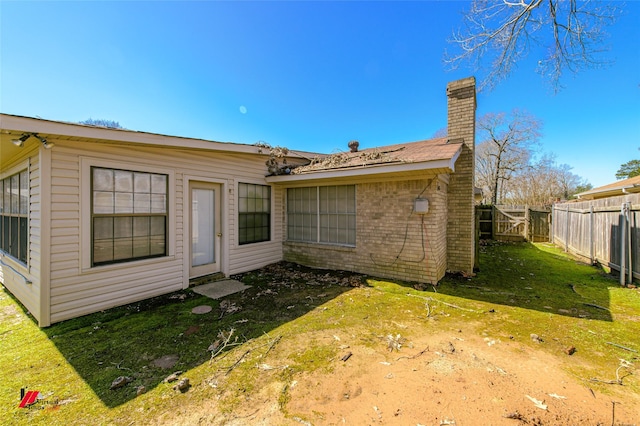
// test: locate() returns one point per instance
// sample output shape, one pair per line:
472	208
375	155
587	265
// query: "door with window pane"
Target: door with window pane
205	229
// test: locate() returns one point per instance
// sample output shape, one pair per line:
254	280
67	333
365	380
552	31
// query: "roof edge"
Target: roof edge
367	170
16	123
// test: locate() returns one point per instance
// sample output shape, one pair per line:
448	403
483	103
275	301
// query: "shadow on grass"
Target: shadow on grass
538	277
129	340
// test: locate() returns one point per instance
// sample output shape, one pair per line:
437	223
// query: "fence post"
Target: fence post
527	223
493	222
552	224
591	254
629	253
566	231
623	244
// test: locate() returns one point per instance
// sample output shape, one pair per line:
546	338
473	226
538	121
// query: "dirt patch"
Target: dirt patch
452	379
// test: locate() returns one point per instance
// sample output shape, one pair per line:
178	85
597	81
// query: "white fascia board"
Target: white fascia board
609	192
374	169
35	125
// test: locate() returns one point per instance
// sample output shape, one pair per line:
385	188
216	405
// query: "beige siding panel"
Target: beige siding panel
65	215
13	274
63	256
63	232
67	239
253	256
76	291
122	288
60	266
114	276
73	310
28	294
62	197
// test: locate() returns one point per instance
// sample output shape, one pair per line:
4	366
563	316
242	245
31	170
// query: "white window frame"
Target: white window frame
86	165
17	171
269	212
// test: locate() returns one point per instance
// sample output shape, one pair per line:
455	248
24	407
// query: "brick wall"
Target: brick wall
461	120
391	240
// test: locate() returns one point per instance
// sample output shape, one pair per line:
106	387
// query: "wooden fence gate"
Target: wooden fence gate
513	223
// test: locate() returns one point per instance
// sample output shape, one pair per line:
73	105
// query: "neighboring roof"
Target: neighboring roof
74	131
429	154
620	187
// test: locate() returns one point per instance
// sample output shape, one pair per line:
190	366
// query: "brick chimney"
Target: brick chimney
461	128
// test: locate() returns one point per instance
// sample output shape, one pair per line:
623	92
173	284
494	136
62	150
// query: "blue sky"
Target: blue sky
306	75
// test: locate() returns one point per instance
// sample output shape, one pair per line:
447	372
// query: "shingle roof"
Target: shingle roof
411	152
615	188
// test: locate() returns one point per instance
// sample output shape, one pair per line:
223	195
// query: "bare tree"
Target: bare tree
506	146
571	34
543	182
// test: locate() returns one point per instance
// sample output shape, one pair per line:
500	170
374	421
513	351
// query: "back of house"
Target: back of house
94	217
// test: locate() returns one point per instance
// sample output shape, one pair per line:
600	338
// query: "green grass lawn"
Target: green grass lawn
520	289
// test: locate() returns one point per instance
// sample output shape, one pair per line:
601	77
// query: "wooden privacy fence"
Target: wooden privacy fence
513	223
604	231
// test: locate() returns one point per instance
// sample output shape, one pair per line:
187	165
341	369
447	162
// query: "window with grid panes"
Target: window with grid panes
254	213
14	215
129	215
325	214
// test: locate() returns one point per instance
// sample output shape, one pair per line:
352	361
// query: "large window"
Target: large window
254	213
325	214
14	215
129	215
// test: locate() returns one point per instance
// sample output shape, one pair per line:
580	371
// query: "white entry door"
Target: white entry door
205	229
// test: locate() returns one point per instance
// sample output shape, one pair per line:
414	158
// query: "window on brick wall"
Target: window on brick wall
325	214
254	213
14	215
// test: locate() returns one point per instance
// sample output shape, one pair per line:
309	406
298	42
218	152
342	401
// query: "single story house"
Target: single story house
93	217
621	187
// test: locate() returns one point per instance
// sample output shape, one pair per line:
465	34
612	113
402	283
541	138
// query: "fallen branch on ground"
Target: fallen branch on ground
596	306
622	347
451	305
414	356
223	342
618	381
235	364
275	342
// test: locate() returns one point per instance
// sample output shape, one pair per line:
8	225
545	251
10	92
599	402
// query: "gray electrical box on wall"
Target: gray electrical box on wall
421	206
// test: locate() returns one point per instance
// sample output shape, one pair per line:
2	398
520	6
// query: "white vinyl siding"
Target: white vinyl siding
78	288
22	278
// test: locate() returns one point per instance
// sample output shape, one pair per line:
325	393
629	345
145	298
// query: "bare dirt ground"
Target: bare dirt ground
454	378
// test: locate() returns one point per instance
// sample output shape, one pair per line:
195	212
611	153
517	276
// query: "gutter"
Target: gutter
369	170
